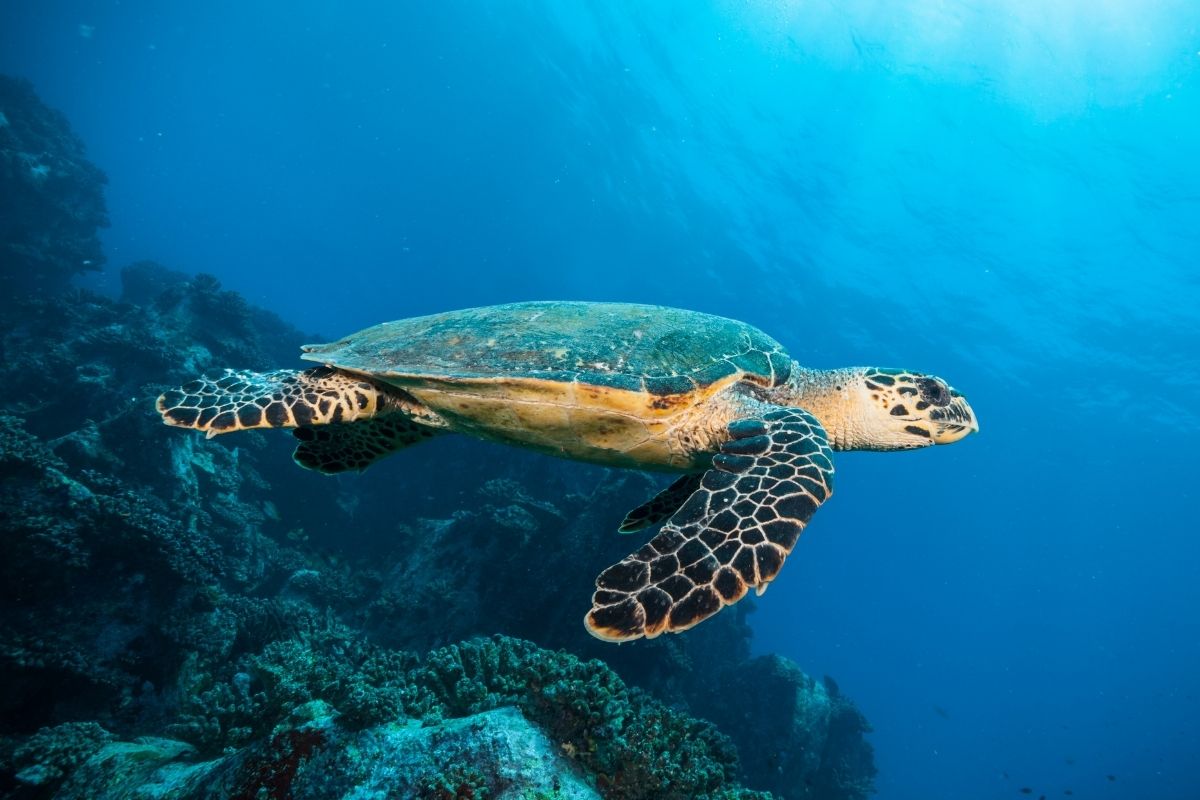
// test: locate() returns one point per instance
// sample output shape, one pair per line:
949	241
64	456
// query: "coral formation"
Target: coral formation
487	718
256	618
496	754
51	754
635	746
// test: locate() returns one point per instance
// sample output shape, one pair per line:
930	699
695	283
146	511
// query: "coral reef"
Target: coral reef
53	198
51	754
635	746
253	618
528	719
495	754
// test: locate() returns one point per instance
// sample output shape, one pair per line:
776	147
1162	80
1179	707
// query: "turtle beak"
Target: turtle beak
953	422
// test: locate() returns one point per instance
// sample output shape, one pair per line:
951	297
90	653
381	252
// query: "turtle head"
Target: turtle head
869	408
900	410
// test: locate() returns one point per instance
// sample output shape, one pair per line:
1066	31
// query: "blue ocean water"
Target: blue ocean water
1004	193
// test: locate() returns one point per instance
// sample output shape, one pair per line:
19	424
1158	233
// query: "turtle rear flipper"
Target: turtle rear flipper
281	399
342	447
662	505
734	532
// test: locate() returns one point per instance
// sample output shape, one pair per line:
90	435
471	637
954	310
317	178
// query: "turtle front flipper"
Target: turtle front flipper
734	532
343	447
282	399
662	505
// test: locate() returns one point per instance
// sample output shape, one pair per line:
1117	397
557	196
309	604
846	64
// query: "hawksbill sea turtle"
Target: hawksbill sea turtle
750	431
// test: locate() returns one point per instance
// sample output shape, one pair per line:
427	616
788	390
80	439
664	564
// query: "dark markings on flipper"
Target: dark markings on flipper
662	505
347	446
281	399
733	533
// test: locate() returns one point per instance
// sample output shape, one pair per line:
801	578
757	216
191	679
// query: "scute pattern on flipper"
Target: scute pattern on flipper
734	532
662	505
343	447
240	400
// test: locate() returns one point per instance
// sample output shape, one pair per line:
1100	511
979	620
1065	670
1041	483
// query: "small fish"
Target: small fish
941	712
1067	791
1111	777
1026	790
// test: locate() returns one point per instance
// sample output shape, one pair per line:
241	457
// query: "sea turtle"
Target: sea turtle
750	430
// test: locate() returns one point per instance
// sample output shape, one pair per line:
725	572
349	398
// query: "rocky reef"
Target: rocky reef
489	718
193	618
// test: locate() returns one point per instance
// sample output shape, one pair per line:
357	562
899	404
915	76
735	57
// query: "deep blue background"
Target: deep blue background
1005	194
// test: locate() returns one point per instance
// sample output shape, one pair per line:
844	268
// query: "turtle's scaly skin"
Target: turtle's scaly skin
281	399
662	505
732	534
618	384
346	446
285	398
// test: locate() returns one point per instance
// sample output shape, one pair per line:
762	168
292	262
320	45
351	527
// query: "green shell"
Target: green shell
654	349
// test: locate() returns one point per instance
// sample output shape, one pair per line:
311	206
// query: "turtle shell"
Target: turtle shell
641	348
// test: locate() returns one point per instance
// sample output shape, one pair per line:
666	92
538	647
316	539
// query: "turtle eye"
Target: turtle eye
934	391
